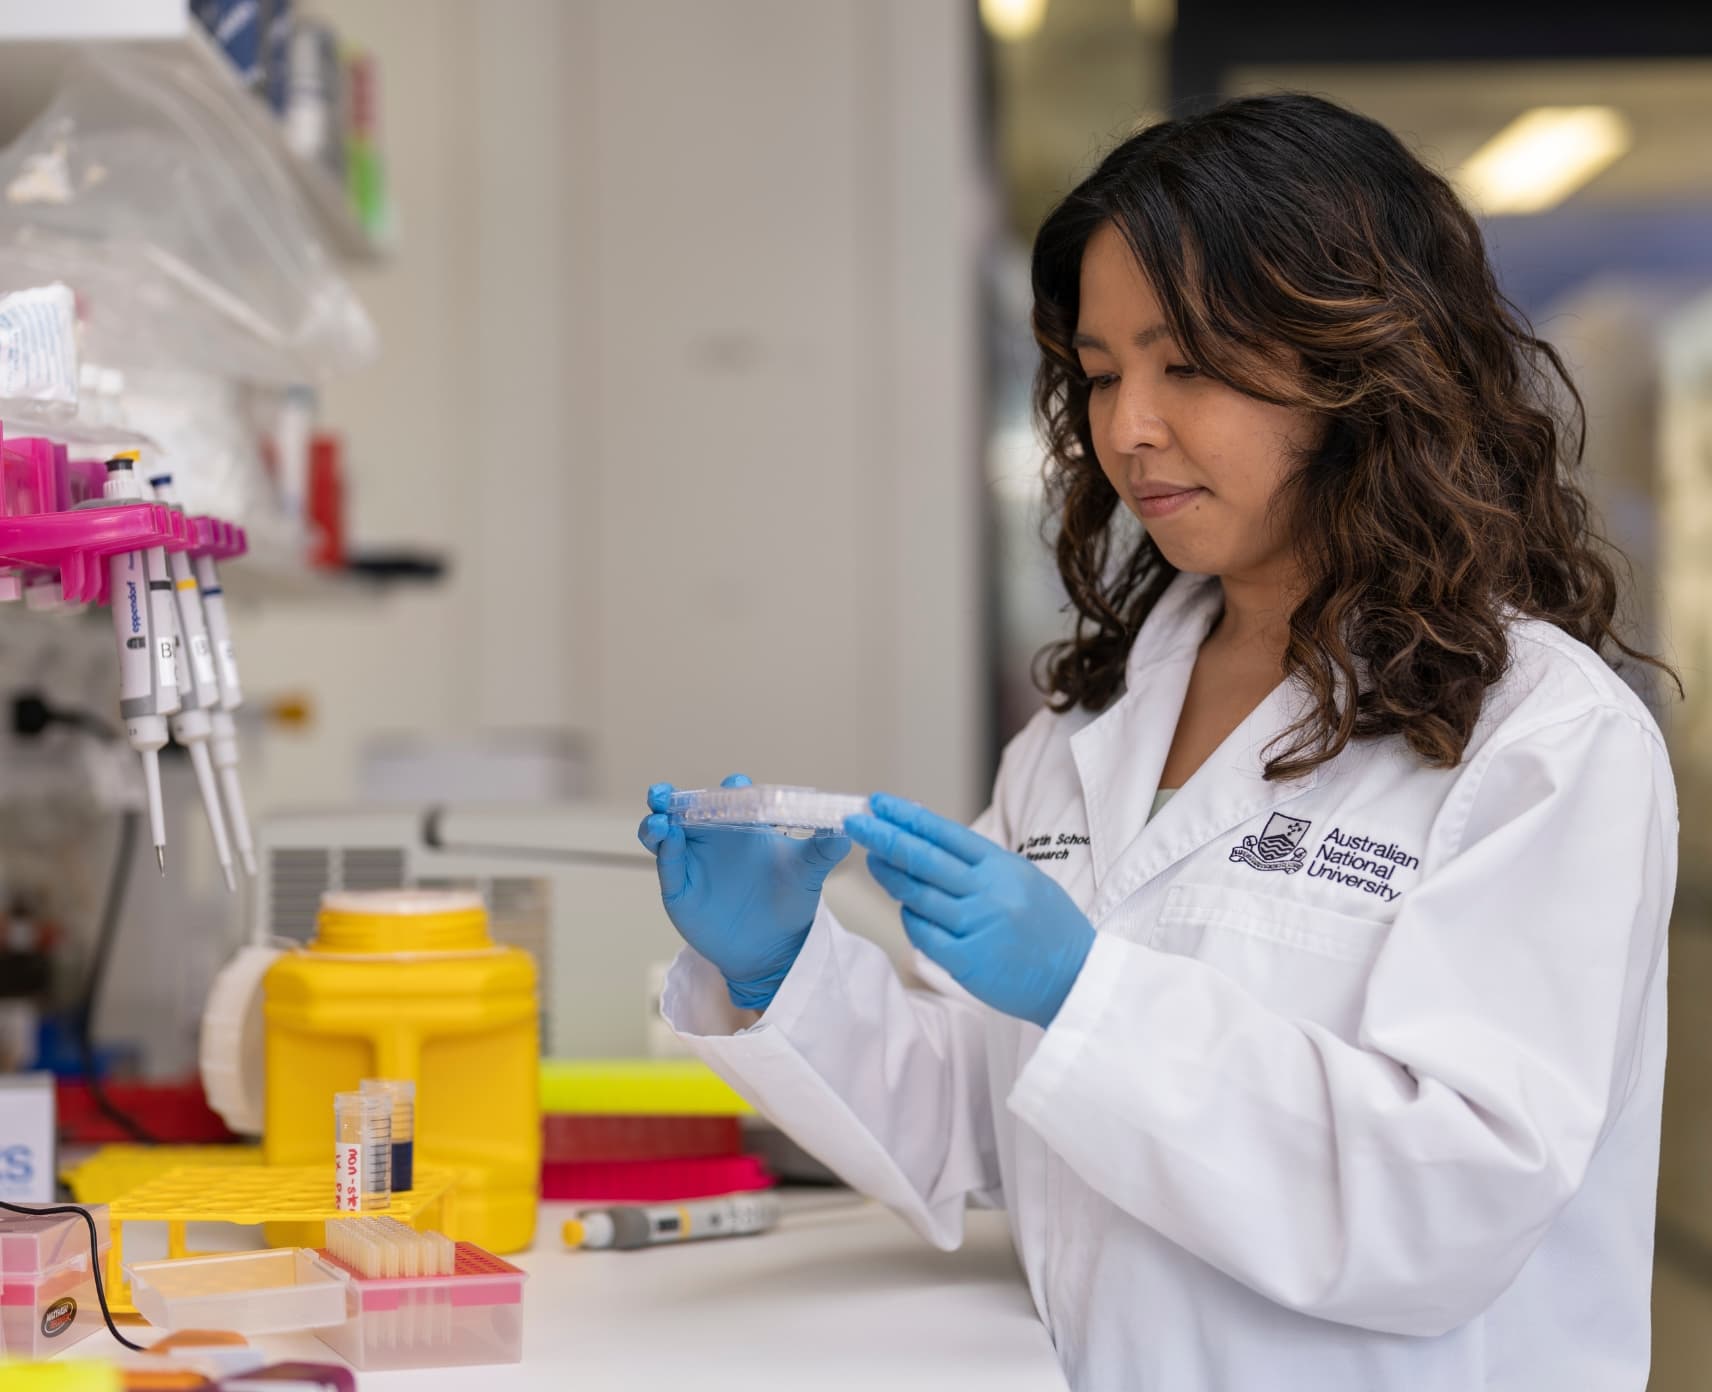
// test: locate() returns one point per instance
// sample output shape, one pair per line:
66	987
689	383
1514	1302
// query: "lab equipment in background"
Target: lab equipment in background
271	1292
213	596
202	608
401	1098
362	1150
199	693
654	1181
385	1247
48	1297
409	985
141	599
27	1137
325	508
566	882
652	1225
313	124
573	1138
214	675
38	349
641	1131
765	807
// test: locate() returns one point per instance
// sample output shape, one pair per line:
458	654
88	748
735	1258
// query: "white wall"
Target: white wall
680	363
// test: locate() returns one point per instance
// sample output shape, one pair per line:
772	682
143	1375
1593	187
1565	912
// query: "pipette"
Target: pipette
198	688
207	599
141	597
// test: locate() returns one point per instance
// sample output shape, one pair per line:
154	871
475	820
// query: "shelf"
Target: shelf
34	38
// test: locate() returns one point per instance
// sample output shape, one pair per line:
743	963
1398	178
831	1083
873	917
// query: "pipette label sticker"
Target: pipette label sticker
202	656
228	664
351	1170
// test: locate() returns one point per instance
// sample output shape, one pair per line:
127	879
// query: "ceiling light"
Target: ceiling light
1012	20
1542	157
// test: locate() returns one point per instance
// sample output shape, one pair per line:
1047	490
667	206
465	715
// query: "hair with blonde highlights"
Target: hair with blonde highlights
1440	498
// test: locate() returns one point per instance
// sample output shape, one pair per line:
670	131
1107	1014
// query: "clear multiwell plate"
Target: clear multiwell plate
766	807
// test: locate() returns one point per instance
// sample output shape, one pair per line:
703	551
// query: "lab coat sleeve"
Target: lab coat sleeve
1398	1182
886	1086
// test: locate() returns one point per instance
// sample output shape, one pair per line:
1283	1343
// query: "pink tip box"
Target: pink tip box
47	1281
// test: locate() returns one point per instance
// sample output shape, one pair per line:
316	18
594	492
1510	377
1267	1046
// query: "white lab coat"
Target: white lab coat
1359	1087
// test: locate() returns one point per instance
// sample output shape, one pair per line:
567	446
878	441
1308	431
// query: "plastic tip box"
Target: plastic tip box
47	1281
475	1315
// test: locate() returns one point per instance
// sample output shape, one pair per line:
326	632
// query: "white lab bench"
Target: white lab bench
841	1294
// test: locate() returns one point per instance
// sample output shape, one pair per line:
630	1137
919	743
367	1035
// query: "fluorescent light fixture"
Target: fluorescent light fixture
1542	157
1012	20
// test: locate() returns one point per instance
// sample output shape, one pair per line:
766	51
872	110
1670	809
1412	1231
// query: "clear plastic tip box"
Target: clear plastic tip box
47	1281
475	1315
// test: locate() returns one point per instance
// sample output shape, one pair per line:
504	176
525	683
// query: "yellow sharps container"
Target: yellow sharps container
408	984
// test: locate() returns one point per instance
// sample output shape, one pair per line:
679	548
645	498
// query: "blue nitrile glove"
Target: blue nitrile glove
743	899
1005	930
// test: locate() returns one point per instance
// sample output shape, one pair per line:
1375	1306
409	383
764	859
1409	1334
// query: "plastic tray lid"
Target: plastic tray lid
48	1243
765	807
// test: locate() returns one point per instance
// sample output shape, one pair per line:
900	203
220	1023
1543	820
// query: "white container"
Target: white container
271	1292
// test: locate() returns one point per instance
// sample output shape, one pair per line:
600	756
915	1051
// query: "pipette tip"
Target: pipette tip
160	858
231	879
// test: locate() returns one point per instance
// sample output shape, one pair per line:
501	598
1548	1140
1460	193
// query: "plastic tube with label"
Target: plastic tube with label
362	1151
401	1097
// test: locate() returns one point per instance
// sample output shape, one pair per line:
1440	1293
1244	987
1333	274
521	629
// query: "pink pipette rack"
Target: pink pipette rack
56	520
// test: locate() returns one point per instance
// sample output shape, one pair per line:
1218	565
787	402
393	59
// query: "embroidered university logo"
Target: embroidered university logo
1278	847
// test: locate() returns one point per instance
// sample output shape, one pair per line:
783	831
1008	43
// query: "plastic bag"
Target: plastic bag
149	190
38	351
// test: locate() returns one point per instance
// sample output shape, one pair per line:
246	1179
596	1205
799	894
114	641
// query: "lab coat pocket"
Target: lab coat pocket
1306	962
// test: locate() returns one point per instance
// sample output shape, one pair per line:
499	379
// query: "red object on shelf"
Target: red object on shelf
653	1181
326	502
586	1138
173	1113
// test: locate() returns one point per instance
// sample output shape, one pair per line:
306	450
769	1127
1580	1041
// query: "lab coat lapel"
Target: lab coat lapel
1119	755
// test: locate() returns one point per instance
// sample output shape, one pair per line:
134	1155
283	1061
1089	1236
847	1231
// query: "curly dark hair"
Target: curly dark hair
1438	499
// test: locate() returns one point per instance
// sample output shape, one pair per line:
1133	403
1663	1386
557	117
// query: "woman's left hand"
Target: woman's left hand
1004	930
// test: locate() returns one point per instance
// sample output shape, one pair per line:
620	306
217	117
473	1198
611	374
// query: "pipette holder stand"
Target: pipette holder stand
55	519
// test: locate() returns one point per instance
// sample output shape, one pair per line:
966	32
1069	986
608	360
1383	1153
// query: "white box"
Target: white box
27	1137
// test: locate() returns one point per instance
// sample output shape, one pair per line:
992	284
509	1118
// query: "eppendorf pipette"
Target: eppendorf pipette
199	691
141	597
211	604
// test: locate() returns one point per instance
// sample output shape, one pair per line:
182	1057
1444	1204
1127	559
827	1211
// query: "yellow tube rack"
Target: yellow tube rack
251	1194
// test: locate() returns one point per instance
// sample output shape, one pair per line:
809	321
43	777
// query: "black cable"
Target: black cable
31	714
110	914
56	1210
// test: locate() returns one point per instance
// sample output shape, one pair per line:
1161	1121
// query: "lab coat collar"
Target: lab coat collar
1120	755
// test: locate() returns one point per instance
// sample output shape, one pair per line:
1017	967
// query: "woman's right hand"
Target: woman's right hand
743	899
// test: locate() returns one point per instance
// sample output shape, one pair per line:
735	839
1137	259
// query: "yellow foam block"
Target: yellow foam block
637	1087
69	1376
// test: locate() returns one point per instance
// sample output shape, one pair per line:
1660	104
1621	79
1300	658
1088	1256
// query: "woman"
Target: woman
1301	992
